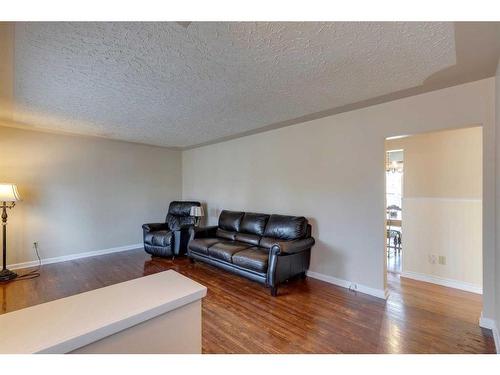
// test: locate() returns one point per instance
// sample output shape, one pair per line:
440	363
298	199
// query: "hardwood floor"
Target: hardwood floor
308	316
394	262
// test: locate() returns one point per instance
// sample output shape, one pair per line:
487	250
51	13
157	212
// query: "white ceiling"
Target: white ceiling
170	85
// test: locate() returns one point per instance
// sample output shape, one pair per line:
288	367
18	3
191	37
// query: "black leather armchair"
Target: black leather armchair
169	239
269	249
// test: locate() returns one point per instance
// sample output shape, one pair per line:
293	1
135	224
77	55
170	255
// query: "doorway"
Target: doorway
394	169
434	208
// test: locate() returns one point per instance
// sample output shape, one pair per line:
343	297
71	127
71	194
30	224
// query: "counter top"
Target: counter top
66	324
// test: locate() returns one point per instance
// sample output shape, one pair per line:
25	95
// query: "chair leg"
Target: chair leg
274	291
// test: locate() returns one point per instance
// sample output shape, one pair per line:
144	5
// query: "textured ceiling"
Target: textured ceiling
170	85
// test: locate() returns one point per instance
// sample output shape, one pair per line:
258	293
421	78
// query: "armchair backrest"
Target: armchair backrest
179	214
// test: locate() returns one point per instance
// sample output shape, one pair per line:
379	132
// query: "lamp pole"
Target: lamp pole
5	274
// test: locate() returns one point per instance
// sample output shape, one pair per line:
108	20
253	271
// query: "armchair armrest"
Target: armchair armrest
178	227
292	247
185	226
154	227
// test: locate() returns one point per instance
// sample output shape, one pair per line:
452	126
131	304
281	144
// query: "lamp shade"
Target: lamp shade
9	193
197	211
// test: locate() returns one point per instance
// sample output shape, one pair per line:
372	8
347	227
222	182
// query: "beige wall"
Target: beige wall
83	194
445	164
332	171
80	193
6	69
496	295
442	206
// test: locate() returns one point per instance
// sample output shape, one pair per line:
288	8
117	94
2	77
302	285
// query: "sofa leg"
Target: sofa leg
274	291
173	258
191	260
303	275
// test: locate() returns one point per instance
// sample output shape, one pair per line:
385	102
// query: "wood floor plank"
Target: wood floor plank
308	316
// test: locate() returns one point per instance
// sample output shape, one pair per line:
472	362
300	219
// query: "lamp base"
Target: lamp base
6	275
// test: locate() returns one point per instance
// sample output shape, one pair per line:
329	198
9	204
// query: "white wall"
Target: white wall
332	171
83	194
442	207
443	227
496	295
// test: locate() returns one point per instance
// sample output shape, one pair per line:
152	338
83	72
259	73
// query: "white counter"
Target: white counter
152	314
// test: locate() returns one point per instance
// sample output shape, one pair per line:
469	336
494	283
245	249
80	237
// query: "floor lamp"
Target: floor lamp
8	198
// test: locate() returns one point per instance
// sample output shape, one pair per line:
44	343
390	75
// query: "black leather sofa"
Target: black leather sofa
169	239
269	249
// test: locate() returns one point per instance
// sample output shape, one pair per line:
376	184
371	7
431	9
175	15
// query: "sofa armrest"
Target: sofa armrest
202	232
153	227
292	247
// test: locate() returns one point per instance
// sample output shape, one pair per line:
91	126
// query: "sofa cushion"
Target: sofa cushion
158	238
253	223
230	220
201	245
227	235
286	227
252	239
254	258
224	250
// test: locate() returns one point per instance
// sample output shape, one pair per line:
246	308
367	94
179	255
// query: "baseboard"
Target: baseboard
486	322
65	258
491	324
468	287
379	293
